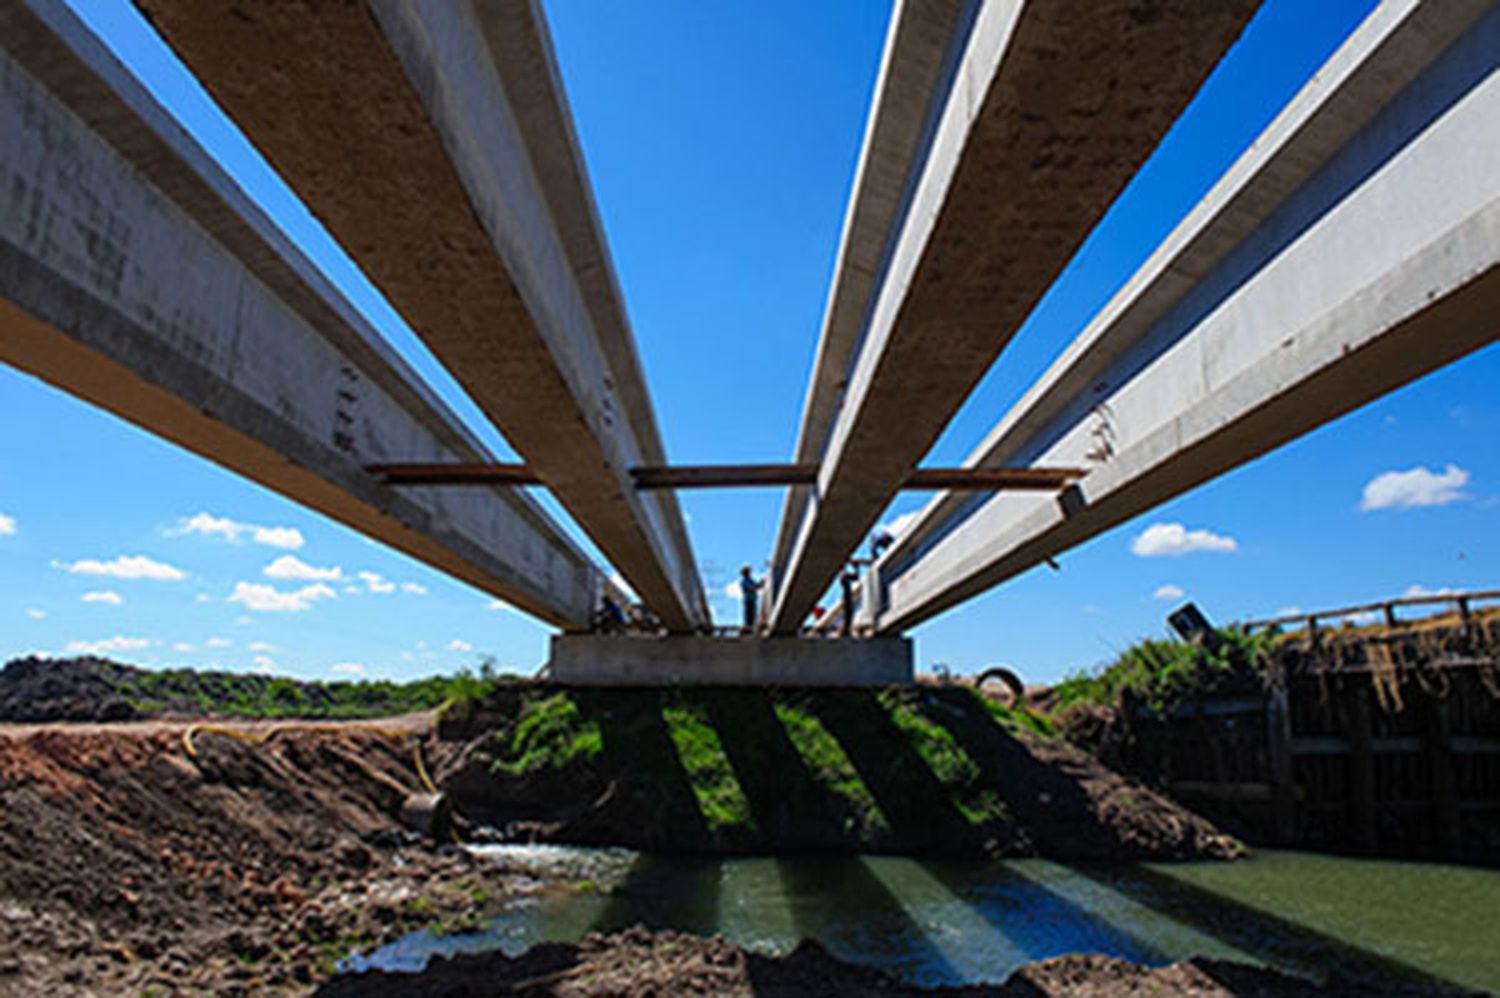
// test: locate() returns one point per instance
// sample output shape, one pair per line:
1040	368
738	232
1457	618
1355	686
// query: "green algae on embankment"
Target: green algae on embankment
922	769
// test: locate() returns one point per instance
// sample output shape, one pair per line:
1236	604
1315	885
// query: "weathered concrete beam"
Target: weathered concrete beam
1352	249
692	660
1052	109
433	140
135	274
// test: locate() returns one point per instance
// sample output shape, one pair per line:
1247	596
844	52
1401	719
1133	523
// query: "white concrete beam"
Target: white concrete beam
434	142
135	274
1052	108
1351	249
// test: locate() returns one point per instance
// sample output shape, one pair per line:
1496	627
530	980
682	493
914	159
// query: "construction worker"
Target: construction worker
847	579
750	592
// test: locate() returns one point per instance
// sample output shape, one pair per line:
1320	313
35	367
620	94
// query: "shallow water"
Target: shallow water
938	922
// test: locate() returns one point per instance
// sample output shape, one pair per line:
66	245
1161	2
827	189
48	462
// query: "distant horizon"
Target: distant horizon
721	147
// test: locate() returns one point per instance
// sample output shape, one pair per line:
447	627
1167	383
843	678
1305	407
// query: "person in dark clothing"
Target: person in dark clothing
750	591
847	579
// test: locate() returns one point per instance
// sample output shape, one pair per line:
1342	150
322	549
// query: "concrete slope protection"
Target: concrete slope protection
1048	113
434	142
1350	250
135	274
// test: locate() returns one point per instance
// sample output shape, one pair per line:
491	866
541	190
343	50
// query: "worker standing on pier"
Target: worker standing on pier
750	592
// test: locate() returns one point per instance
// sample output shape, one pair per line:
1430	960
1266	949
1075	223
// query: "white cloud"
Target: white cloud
1420	590
217	643
415	588
103	596
261	646
498	604
353	590
265	663
269	599
36	614
347	669
1414	488
732	590
1173	539
183	646
457	645
203	598
114	644
244	621
377	583
7	525
233	530
897	525
136	566
289	566
1288	611
1168	591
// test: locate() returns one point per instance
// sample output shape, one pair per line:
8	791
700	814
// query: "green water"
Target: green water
935	922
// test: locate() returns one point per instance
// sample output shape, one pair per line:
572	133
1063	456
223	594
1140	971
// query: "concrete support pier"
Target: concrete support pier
619	660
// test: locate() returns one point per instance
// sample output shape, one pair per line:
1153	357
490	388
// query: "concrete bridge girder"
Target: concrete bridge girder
1352	249
1046	115
135	274
438	150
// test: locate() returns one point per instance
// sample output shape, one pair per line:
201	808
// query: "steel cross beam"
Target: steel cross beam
135	274
1048	111
731	476
438	150
1351	249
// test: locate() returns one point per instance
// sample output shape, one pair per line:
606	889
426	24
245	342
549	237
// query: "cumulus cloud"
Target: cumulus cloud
458	645
103	596
347	669
269	599
289	566
1421	590
132	566
498	604
182	646
7	525
1173	539
265	663
415	588
1417	487
36	614
261	646
377	583
1168	591
217	643
209	525
118	643
203	598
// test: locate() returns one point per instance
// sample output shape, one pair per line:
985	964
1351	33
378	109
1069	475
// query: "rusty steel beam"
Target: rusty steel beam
710	476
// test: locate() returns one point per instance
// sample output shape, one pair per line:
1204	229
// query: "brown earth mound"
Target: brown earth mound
640	962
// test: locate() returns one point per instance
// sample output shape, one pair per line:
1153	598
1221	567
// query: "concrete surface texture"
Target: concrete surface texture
434	143
1050	113
611	660
1352	249
136	275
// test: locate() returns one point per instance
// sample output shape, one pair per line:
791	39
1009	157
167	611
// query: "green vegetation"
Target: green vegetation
830	765
236	695
1160	673
1020	718
954	768
550	733
721	800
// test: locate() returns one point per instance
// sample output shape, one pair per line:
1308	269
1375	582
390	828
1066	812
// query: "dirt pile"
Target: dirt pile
129	864
640	962
927	770
81	689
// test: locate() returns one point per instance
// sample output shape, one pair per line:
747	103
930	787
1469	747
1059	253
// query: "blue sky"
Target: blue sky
721	140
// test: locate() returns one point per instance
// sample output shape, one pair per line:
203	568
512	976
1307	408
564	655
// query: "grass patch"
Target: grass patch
954	768
1161	673
721	800
830	765
550	733
1016	718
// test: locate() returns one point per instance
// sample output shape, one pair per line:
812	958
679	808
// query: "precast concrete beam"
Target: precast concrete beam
434	142
1350	250
135	274
924	42
1050	111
